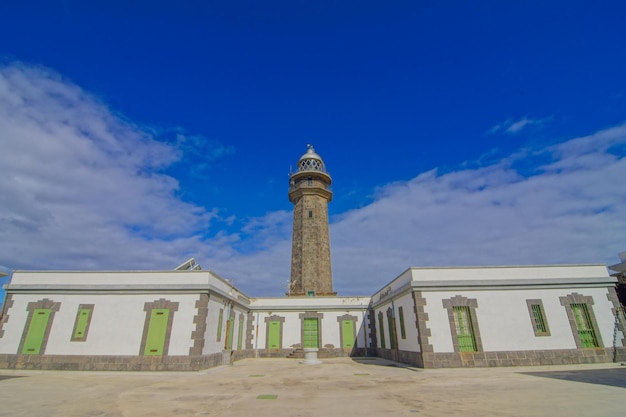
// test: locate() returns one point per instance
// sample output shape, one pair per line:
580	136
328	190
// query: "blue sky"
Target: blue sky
134	135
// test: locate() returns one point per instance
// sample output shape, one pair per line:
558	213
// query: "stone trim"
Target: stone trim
4	316
82	338
273	317
460	301
576	298
161	303
421	322
311	315
31	307
372	329
354	319
200	320
529	304
249	330
617	309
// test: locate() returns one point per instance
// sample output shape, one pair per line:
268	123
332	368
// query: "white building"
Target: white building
191	319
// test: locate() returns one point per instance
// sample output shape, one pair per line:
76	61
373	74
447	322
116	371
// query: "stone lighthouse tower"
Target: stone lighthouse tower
309	191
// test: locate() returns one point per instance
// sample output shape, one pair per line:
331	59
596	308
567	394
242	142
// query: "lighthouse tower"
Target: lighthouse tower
309	191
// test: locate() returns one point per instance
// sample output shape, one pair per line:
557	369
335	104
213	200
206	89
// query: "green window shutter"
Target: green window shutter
347	330
392	333
311	336
231	333
464	329
219	325
540	322
36	331
402	331
157	329
240	334
584	326
81	324
274	335
382	331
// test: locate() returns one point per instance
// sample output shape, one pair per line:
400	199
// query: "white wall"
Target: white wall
116	326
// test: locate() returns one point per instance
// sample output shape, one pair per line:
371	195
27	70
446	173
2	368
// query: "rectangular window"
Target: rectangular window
36	331
81	324
230	333
381	324
240	333
464	329
310	333
538	318
401	314
392	331
219	324
584	326
157	329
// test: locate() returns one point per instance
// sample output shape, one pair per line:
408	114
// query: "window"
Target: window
310	214
219	324
464	329
584	326
381	325
401	314
309	181
392	328
538	317
82	322
240	333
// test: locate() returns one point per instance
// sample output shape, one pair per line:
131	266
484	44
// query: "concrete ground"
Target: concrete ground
336	387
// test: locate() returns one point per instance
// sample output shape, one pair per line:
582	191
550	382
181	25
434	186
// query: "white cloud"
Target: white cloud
83	188
516	126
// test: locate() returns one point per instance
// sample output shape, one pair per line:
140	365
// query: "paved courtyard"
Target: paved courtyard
336	387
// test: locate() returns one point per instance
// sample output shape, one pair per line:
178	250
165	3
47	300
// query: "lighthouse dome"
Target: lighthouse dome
311	161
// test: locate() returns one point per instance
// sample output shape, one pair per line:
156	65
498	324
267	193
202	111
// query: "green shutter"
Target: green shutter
36	331
464	329
347	332
584	326
382	331
401	314
274	335
240	335
231	333
392	332
540	323
81	324
157	328
311	337
219	325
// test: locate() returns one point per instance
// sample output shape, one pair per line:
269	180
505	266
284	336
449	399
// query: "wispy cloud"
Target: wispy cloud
82	188
515	126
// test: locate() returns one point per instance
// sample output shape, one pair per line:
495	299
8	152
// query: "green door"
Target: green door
36	331
347	332
155	341
274	335
311	338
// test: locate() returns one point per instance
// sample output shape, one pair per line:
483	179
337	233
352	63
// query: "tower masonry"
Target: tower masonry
309	191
